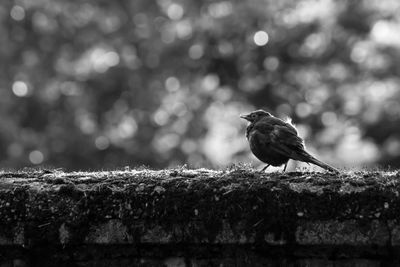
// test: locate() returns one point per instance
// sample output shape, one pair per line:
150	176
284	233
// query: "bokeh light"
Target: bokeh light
175	11
261	38
20	88
17	13
36	157
172	84
102	143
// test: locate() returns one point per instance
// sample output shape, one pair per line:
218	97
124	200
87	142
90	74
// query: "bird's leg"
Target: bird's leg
284	168
263	169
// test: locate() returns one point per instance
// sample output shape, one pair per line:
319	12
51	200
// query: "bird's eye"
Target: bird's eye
254	116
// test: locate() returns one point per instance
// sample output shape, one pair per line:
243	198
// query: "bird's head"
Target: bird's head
255	115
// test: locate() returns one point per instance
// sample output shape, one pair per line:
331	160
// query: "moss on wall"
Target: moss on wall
237	206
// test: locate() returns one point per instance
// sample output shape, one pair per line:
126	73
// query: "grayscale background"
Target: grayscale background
104	84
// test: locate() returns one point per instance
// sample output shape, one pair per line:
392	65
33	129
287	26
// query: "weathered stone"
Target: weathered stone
349	232
194	216
15	237
110	232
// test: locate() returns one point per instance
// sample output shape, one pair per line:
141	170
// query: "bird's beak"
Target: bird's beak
245	116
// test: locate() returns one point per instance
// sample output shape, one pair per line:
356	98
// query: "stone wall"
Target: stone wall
181	217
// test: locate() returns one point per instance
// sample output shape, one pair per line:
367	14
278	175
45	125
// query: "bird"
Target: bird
274	141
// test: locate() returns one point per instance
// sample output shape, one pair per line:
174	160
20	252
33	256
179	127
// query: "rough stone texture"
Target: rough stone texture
181	217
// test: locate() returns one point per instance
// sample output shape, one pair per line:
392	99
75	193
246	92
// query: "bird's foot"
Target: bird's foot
284	168
263	169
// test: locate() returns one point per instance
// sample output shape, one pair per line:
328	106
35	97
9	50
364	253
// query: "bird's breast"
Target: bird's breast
262	147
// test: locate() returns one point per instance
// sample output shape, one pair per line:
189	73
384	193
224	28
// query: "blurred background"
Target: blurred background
99	84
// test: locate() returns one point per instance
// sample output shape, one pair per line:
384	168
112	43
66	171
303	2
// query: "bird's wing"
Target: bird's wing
282	137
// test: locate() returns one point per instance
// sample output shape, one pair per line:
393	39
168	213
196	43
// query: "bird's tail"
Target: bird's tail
319	163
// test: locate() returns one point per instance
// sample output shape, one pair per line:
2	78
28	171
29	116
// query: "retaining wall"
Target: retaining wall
181	217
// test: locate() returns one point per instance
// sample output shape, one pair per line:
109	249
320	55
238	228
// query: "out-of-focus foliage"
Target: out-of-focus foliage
102	84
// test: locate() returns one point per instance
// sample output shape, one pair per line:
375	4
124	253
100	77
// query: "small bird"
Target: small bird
274	141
